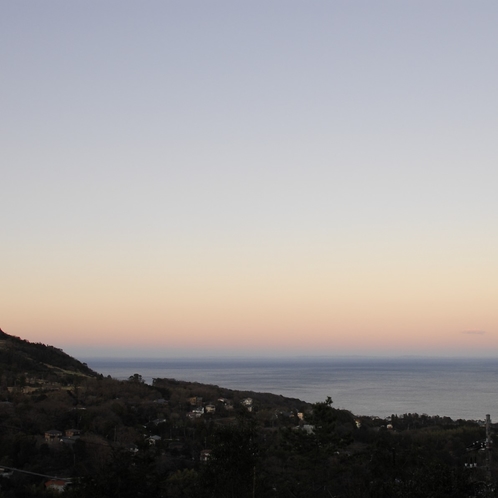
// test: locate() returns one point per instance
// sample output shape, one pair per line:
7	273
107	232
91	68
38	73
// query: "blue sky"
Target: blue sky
273	169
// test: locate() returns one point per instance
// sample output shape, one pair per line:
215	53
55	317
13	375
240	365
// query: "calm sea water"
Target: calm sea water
458	388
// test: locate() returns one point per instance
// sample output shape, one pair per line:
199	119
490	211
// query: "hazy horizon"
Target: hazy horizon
250	178
126	355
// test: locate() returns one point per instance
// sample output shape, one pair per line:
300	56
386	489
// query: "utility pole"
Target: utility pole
488	449
484	476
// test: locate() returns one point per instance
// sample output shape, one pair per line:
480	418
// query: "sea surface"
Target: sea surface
457	388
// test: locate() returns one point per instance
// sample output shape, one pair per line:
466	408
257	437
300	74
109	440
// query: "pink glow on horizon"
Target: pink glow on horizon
191	177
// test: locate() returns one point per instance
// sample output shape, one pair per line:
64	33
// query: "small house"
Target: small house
57	485
53	435
195	401
153	440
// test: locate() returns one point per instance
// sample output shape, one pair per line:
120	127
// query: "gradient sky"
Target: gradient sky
267	177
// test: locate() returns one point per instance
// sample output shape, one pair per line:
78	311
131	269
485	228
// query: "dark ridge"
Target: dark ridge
18	356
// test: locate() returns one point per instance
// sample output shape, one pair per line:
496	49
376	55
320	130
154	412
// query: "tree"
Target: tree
231	469
137	378
125	476
310	454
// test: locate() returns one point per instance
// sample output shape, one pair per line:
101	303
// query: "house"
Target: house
175	445
53	436
226	403
132	448
5	473
153	440
57	485
195	401
68	440
210	408
247	402
287	414
308	428
71	436
205	455
196	412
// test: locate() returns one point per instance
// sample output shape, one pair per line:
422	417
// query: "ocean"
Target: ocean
457	388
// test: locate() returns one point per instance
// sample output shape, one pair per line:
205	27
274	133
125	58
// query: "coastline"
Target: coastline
460	388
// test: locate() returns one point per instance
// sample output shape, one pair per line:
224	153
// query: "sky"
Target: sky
190	178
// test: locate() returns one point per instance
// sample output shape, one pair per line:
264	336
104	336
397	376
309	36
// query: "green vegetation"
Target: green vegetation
176	439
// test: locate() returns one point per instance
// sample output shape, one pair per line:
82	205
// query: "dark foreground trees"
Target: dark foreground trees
234	467
267	453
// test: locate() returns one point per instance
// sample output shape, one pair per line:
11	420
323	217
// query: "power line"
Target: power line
67	479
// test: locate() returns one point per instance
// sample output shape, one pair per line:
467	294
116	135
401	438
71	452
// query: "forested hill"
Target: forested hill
21	357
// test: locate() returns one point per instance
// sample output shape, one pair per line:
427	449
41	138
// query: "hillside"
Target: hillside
184	389
91	435
21	358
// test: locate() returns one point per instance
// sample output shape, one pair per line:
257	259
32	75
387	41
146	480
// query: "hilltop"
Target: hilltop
21	360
